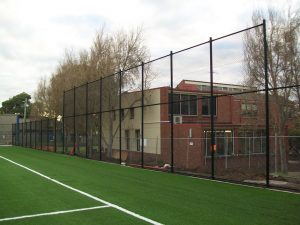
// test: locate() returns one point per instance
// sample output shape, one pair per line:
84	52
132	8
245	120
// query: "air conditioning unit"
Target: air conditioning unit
177	119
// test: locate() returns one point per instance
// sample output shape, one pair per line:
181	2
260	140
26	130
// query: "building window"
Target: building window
127	139
223	142
249	109
252	141
183	104
138	141
131	113
206	106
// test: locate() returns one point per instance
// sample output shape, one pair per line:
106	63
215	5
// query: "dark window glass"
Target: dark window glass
193	105
183	104
176	104
206	106
223	142
131	113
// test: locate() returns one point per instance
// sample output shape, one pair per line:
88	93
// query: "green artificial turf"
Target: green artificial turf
163	197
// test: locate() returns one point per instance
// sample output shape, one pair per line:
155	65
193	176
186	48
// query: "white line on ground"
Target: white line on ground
53	213
245	185
86	194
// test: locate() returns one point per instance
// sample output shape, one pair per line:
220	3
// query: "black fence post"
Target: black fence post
86	120
12	134
212	134
17	132
74	122
172	113
30	135
100	121
266	104
22	134
35	133
47	133
25	134
142	115
15	141
63	124
41	132
120	116
55	135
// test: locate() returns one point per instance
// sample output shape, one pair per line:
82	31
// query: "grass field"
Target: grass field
60	189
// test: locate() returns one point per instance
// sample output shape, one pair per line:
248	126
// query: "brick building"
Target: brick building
239	127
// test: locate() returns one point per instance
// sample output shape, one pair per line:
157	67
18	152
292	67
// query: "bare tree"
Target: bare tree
41	106
109	54
282	51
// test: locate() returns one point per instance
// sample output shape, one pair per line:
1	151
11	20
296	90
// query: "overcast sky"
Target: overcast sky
35	33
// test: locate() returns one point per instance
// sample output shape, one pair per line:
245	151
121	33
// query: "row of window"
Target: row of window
249	142
184	104
188	105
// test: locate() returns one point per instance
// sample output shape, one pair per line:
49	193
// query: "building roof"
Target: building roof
192	85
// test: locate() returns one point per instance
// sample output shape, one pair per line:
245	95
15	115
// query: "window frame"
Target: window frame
249	109
131	111
208	105
177	106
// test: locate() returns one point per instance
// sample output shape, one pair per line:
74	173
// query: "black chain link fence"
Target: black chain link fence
188	112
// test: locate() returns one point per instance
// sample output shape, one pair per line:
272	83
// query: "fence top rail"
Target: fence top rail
237	32
165	56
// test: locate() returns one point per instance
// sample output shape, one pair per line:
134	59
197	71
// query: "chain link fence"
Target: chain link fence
188	112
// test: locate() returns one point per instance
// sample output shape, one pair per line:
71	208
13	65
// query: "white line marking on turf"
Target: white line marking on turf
53	213
245	185
86	194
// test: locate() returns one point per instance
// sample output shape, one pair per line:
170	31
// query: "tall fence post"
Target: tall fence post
172	113
17	132
35	131
55	135
74	121
212	134
100	121
47	133
142	117
86	120
41	133
25	133
30	135
63	124
12	134
120	116
266	104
